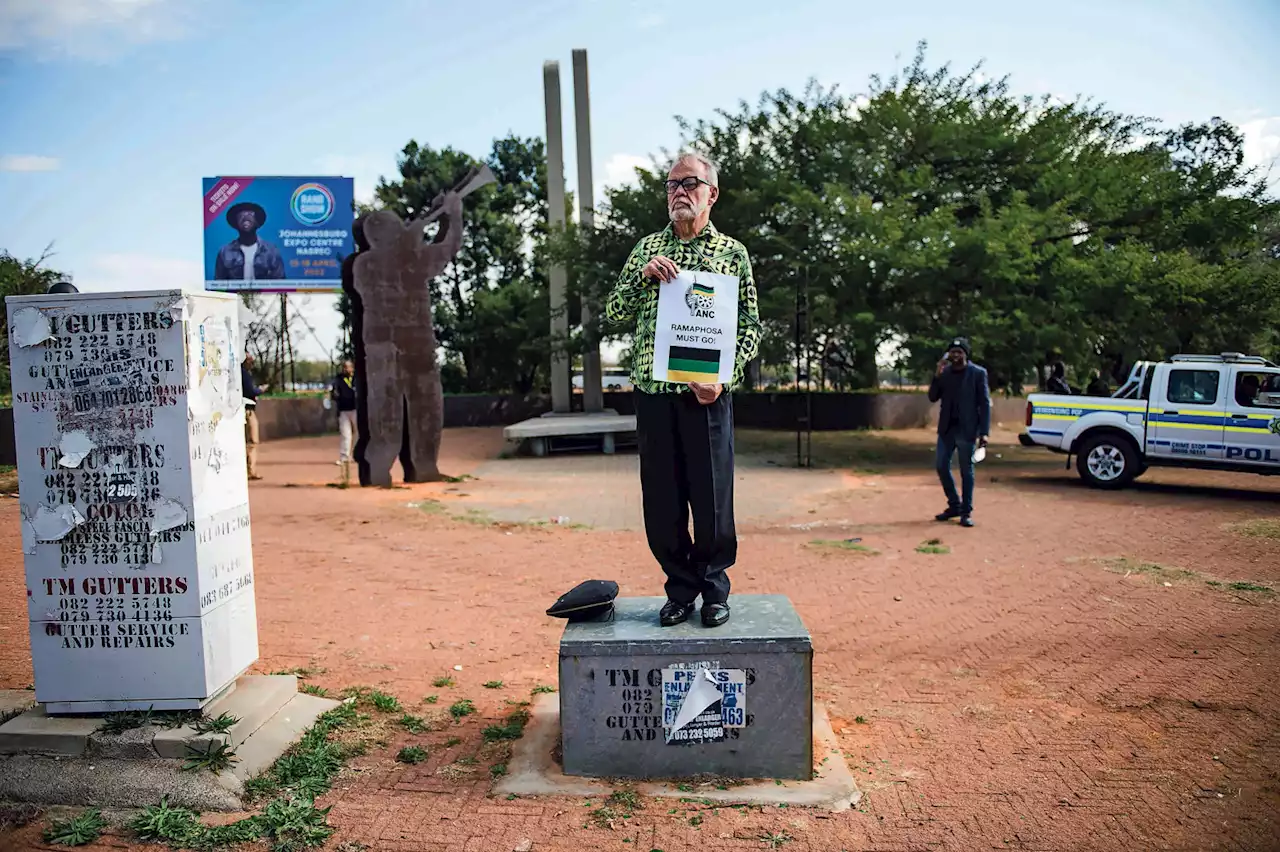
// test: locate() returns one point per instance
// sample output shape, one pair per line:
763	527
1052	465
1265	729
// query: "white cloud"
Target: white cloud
651	21
28	163
89	29
1262	146
109	273
620	170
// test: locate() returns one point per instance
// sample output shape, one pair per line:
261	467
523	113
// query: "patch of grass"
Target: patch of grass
456	479
312	689
126	720
307	769
860	720
620	805
497	770
1245	586
80	830
384	702
293	824
853	546
221	725
462	708
1127	566
302	672
542	689
414	724
452	741
412	755
164	823
933	545
431	699
775	840
1268	528
443	682
215	758
431	507
512	729
493	684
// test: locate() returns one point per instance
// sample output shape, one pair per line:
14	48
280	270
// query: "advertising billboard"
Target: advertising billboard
277	234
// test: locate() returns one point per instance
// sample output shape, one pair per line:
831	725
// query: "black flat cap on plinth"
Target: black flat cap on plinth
586	601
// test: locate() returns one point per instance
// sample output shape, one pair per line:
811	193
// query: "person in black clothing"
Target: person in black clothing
249	390
343	394
1058	380
964	422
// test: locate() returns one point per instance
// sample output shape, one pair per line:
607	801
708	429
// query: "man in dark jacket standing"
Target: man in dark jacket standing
343	393
249	390
964	422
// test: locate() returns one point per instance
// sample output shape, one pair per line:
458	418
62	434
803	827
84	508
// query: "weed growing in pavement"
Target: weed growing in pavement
414	724
442	682
312	689
302	672
412	754
852	546
462	708
619	806
933	545
512	729
221	725
79	830
384	702
542	689
493	684
215	757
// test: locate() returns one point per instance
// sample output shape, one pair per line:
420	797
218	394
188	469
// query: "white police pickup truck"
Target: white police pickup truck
1218	412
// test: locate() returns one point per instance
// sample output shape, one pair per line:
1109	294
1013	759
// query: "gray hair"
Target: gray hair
712	170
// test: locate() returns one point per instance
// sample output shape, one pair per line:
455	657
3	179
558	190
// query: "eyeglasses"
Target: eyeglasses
689	184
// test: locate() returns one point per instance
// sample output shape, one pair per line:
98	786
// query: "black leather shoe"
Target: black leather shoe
966	521
715	614
947	515
674	613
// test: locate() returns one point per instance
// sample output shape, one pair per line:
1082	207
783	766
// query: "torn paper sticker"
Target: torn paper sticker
700	704
29	326
74	446
52	523
167	513
29	540
156	555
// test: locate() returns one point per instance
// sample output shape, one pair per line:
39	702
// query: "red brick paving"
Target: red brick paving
1014	693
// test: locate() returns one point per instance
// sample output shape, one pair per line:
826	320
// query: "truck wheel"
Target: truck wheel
1107	461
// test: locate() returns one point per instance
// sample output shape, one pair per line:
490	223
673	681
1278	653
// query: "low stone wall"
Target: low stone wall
296	416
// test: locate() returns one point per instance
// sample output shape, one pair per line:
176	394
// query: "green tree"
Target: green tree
490	306
21	278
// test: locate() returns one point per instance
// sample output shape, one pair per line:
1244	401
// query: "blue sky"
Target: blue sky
113	110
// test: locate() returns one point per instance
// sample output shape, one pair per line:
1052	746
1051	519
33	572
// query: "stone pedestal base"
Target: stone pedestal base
66	760
624	682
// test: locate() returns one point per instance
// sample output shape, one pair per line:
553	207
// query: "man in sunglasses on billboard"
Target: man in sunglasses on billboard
685	429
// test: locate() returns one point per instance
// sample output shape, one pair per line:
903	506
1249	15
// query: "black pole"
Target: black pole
808	395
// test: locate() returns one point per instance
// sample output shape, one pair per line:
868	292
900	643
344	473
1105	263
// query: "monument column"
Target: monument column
592	378
561	386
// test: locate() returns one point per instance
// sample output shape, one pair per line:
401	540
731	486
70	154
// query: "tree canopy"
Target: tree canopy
935	203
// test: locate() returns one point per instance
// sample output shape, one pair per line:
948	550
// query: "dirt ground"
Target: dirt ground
1077	673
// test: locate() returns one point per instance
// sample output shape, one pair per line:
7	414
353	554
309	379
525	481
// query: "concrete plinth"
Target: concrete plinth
533	771
543	432
625	684
66	760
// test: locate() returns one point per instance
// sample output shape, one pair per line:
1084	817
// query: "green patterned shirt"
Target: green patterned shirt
635	300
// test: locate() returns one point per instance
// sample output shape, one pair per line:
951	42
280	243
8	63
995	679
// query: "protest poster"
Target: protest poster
697	333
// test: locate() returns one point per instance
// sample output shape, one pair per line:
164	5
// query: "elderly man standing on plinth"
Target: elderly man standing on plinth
685	430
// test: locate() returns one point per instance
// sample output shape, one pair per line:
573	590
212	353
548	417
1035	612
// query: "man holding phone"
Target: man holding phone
964	422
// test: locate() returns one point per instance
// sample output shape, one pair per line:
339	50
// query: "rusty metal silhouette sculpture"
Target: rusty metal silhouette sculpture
400	401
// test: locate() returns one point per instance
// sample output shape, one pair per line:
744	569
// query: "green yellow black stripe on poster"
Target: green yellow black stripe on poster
687	364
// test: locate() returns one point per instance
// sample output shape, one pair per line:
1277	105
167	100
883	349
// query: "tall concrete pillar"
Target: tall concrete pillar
592	377
561	384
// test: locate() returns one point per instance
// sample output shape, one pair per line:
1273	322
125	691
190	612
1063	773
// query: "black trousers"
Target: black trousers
686	462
